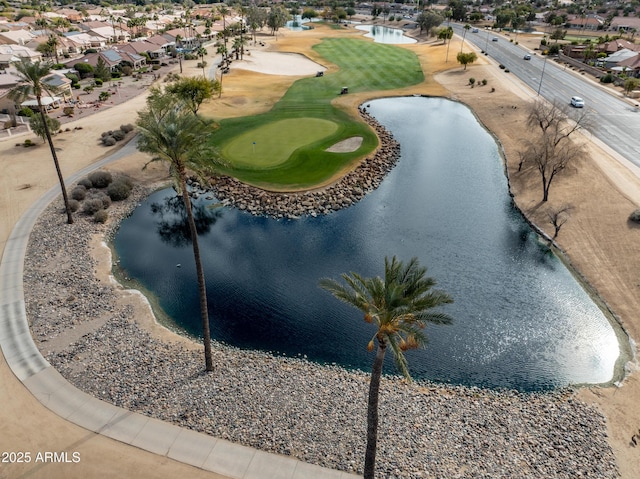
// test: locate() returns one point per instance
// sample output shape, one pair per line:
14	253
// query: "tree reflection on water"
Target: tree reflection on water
173	226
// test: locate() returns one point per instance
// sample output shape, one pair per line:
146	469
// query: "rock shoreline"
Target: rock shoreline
285	405
346	191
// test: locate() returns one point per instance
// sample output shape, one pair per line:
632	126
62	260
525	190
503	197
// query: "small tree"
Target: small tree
101	70
445	34
35	122
558	217
631	84
553	150
466	58
84	69
193	91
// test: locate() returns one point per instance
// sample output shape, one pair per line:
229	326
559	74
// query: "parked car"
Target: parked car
475	30
494	39
577	102
527	56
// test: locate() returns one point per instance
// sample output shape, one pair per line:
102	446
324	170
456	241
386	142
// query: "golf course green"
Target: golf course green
285	148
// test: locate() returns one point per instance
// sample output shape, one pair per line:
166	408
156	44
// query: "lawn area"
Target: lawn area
291	139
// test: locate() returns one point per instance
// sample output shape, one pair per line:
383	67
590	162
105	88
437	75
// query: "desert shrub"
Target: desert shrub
101	216
608	78
484	81
108	140
91	207
79	193
119	135
127	128
116	75
100	178
88	88
635	216
472	81
502	67
98	81
105	133
28	143
120	189
73	77
26	111
58	66
84	69
126	71
506	70
74	205
104	96
155	67
86	182
106	200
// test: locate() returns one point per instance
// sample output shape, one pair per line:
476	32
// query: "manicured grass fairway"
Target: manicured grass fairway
364	67
265	147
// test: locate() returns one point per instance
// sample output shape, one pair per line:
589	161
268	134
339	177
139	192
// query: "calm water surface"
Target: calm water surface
521	319
381	34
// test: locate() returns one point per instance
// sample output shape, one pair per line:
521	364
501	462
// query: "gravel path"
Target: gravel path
291	406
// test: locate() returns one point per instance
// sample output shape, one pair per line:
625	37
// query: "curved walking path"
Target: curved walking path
58	395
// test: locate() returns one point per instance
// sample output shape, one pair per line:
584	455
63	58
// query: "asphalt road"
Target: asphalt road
615	121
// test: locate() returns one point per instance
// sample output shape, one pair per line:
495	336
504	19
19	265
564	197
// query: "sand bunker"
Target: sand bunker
274	63
346	146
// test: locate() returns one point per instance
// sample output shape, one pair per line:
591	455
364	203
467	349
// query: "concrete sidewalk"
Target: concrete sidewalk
58	395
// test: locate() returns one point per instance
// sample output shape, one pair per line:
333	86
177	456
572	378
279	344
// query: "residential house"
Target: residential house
113	59
79	42
164	43
585	23
17	52
142	46
630	66
15	37
112	33
613	61
74	16
617	45
625	24
188	40
59	83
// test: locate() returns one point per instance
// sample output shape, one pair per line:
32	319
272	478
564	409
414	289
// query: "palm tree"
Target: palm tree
179	42
399	305
172	133
466	27
32	75
202	51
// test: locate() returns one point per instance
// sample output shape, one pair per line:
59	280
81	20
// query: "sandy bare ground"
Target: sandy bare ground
598	239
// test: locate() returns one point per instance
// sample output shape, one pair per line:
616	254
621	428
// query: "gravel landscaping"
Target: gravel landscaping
291	406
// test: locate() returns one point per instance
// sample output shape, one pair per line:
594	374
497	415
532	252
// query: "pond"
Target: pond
382	34
521	319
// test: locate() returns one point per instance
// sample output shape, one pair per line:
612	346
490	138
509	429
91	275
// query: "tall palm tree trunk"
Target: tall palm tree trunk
202	289
47	133
372	412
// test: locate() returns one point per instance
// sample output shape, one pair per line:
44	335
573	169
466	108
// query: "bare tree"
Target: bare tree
553	149
558	217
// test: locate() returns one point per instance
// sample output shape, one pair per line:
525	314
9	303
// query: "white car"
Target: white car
577	102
